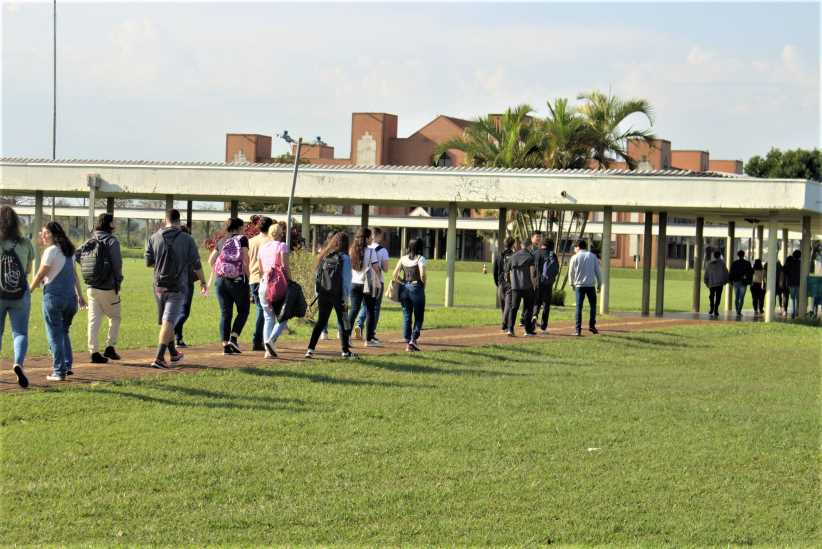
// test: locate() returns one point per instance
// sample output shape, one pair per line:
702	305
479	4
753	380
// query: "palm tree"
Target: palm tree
603	114
569	140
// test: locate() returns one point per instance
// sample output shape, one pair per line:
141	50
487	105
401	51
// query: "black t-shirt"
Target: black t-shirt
519	266
541	255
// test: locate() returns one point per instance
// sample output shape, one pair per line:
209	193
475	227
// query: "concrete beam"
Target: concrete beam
730	253
804	267
699	259
661	260
607	219
770	291
646	263
451	254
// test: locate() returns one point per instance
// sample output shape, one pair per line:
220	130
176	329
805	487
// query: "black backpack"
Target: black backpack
329	275
166	270
12	275
550	269
95	263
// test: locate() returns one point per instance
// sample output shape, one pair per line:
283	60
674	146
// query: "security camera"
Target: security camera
564	194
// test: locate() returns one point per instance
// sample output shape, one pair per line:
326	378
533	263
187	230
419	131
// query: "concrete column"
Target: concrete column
699	259
463	236
760	235
110	205
770	293
436	243
687	254
502	230
36	225
451	254
403	240
93	185
364	215
661	261
306	222
804	267
314	232
785	246
605	267
646	263
189	214
235	208
730	252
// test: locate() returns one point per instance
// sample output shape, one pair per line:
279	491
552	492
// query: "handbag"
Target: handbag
394	291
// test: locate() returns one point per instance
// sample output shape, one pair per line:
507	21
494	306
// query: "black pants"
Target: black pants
542	302
178	328
758	294
231	294
358	298
527	298
505	305
714	297
324	307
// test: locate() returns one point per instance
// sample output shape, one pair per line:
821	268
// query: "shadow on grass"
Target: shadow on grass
225	401
641	341
421	369
320	378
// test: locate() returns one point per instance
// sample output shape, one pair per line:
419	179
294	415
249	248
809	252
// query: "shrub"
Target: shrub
302	265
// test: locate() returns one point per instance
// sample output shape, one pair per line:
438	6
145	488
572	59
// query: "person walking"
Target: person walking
410	273
758	287
172	253
273	256
62	295
16	263
740	278
715	278
101	265
333	287
383	257
501	281
364	283
547	266
229	263
792	272
586	280
522	277
189	295
255	276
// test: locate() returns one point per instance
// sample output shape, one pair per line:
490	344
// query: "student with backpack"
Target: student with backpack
255	276
272	263
62	295
189	294
792	275
383	257
410	273
758	287
16	262
740	279
230	265
715	277
333	287
586	280
365	283
173	255
522	277
500	280
101	265
548	269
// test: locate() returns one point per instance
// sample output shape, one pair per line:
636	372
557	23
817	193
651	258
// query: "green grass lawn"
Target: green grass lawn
688	436
474	297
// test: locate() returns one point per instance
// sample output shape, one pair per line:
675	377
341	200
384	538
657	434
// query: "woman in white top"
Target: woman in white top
364	268
410	273
272	253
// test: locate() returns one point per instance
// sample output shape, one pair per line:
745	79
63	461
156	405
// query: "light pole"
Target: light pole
288	139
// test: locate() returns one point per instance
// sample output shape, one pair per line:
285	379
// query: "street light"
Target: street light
288	139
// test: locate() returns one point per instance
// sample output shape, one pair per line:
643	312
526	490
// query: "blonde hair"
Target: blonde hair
277	231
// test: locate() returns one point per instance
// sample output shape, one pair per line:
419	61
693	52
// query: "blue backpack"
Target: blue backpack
550	269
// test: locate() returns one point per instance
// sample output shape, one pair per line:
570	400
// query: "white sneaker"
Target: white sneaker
309	353
324	335
373	343
54	377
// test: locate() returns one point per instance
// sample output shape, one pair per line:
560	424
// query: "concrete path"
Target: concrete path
136	362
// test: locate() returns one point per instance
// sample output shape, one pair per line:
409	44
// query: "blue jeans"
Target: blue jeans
58	312
361	317
272	329
412	299
794	291
18	310
739	296
581	293
260	317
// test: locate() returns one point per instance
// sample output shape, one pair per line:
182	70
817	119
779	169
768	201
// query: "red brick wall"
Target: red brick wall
727	166
255	147
695	161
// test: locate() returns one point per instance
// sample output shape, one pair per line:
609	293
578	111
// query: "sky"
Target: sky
167	81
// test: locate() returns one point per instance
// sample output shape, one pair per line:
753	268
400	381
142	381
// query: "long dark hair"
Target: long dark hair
358	247
414	248
9	224
338	242
758	265
60	238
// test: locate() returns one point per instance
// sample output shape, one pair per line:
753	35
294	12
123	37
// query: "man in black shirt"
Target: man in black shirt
500	280
522	275
547	266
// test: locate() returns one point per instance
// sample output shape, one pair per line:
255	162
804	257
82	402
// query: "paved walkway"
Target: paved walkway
135	362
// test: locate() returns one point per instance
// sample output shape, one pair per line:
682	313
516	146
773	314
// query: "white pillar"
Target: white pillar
36	225
661	261
646	262
804	267
403	240
605	267
760	235
770	294
451	254
93	184
730	252
699	259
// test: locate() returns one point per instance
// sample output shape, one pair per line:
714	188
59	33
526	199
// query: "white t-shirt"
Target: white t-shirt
54	259
382	255
369	258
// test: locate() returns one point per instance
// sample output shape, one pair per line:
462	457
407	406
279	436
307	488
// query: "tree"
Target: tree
569	140
604	114
790	164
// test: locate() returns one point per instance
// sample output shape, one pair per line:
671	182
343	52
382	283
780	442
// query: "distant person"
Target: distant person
522	276
16	264
272	263
101	265
382	255
189	294
740	278
758	287
547	266
586	280
173	255
501	281
364	283
792	271
410	272
321	247
254	278
333	287
62	296
781	288
716	276
229	264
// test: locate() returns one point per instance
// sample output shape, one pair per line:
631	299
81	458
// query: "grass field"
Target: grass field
690	436
475	299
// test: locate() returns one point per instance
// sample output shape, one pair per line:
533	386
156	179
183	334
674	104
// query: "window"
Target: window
445	161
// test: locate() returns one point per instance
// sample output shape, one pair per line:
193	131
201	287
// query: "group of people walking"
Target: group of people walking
744	274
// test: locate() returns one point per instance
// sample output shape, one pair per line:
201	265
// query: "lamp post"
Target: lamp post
288	139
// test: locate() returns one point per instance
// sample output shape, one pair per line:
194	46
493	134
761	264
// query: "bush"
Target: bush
302	265
558	297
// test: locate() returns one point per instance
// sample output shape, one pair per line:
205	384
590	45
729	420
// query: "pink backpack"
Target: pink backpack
276	284
229	263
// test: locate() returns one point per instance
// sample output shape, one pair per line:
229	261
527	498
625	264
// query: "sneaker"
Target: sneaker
593	330
229	349
349	355
309	353
270	351
69	372
258	346
97	358
578	333
55	377
324	334
233	343
357	332
270	355
22	380
408	348
544	331
373	343
177	358
181	344
414	346
509	333
111	353
530	334
159	364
